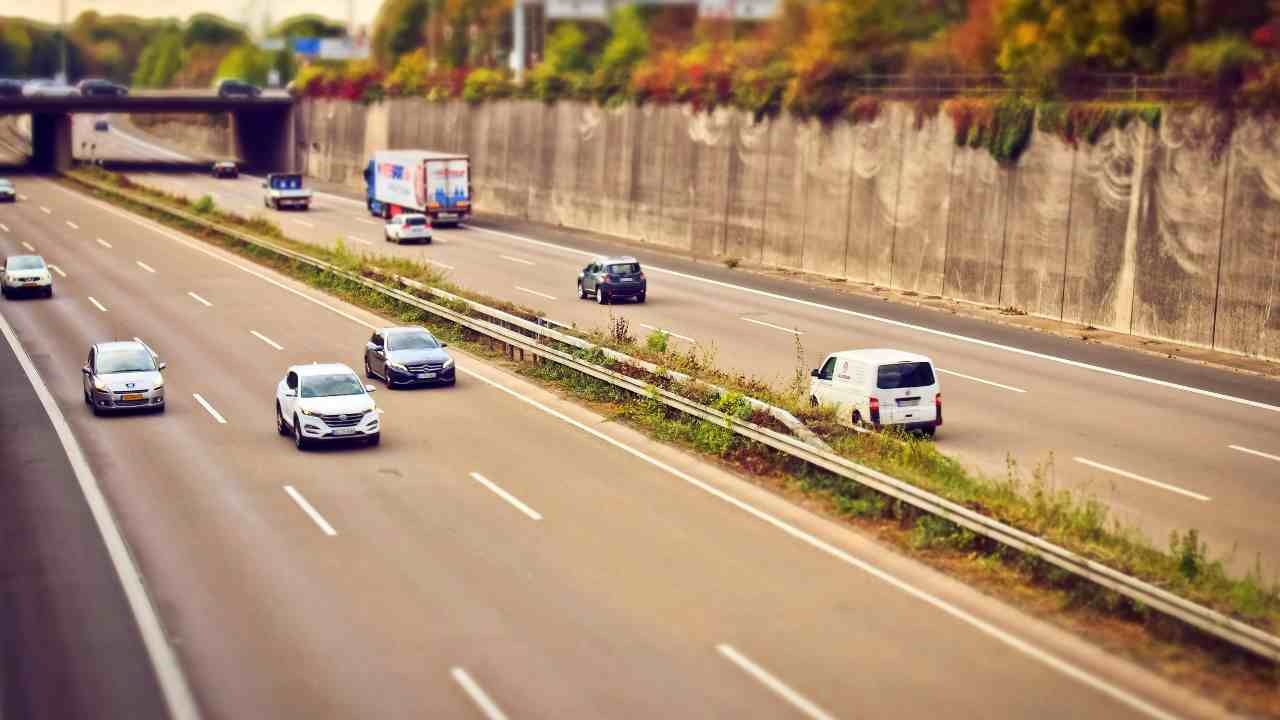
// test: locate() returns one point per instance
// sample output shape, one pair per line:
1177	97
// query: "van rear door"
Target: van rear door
906	390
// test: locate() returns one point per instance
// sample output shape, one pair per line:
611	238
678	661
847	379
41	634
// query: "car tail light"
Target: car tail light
875	410
641	276
937	403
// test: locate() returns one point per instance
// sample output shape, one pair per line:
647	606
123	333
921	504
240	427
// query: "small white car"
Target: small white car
318	403
8	193
48	88
880	388
25	274
413	227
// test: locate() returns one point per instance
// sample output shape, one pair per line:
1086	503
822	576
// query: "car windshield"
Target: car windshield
286	182
25	262
331	385
419	220
411	341
904	375
624	269
125	360
5	184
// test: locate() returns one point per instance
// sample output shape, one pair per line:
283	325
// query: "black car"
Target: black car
225	168
237	88
101	126
97	87
612	278
408	356
10	87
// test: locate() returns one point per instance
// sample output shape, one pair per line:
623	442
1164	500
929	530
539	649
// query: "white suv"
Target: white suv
408	226
25	273
326	402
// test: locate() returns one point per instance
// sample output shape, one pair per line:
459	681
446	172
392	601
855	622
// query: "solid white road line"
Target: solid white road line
4	227
516	260
668	332
265	339
771	325
535	292
205	404
980	380
177	694
58	270
97	304
45	210
310	511
512	499
1004	637
72	225
103	243
303	223
1141	479
145	266
200	300
28	246
477	695
22	197
909	326
1259	453
353	238
765	678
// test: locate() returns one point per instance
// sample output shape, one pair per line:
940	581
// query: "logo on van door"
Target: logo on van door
844	370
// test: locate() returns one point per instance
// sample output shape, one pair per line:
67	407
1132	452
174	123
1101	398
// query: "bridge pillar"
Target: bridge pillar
263	139
51	142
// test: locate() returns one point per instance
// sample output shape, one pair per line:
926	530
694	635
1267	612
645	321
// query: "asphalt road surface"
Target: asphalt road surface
1170	445
502	553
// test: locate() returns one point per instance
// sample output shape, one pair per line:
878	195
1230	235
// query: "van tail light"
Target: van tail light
937	403
875	411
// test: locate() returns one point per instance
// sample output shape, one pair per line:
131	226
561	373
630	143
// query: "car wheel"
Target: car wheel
48	292
601	296
159	409
428	241
373	439
929	432
857	419
582	294
96	410
640	298
298	440
368	371
280	426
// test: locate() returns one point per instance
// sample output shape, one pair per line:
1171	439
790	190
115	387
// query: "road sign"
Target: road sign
600	9
738	9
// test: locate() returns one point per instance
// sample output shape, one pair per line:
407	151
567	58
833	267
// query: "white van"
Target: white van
880	388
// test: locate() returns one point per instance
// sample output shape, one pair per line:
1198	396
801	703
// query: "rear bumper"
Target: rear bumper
625	289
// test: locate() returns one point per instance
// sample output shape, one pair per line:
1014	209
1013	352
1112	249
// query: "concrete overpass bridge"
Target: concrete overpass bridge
262	126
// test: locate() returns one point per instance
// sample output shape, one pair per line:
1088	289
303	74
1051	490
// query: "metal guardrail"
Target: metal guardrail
1211	622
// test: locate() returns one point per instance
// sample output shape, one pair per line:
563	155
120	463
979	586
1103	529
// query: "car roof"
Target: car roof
882	356
403	328
121	345
613	259
5	181
320	369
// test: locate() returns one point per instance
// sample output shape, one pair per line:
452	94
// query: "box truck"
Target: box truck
435	184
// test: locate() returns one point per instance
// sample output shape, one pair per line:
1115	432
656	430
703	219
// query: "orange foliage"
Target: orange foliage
973	42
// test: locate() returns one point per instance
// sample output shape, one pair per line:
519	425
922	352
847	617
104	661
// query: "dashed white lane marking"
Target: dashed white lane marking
367	221
205	404
303	223
45	210
4	227
516	260
97	304
265	339
793	331
72	225
311	512
58	270
535	292
1259	453
446	266
145	266
764	677
512	499
980	380
200	300
668	332
103	243
473	690
353	238
22	197
28	246
1141	479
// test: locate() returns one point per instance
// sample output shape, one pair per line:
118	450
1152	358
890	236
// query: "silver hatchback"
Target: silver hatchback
123	376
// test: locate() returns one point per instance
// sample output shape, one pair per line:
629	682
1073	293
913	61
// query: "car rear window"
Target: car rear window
415	221
904	375
624	269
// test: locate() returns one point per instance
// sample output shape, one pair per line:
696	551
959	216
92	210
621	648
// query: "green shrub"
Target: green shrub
203	205
1222	59
657	341
485	84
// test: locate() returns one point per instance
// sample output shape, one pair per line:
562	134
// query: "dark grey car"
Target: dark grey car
408	356
613	278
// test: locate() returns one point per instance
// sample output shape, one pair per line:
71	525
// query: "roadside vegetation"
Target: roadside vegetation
1024	498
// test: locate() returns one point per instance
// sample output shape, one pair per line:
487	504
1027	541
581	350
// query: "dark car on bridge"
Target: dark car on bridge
225	169
97	87
10	87
237	88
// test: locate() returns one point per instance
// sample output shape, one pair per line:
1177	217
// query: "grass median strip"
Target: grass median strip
1028	501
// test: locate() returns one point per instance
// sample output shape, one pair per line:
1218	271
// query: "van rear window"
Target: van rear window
904	375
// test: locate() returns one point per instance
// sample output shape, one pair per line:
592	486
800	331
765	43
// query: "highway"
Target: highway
502	553
1170	445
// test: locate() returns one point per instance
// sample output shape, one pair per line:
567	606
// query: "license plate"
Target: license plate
133	396
627	280
908	402
426	376
30	284
446	216
344	431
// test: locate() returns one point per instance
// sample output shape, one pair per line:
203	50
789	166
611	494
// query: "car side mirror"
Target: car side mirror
370	388
444	345
290	392
162	366
370	346
813	372
86	370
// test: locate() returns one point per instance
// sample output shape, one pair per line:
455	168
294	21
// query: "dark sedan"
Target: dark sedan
97	87
408	356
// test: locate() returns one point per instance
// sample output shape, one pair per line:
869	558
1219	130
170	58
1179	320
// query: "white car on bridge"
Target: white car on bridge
319	403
